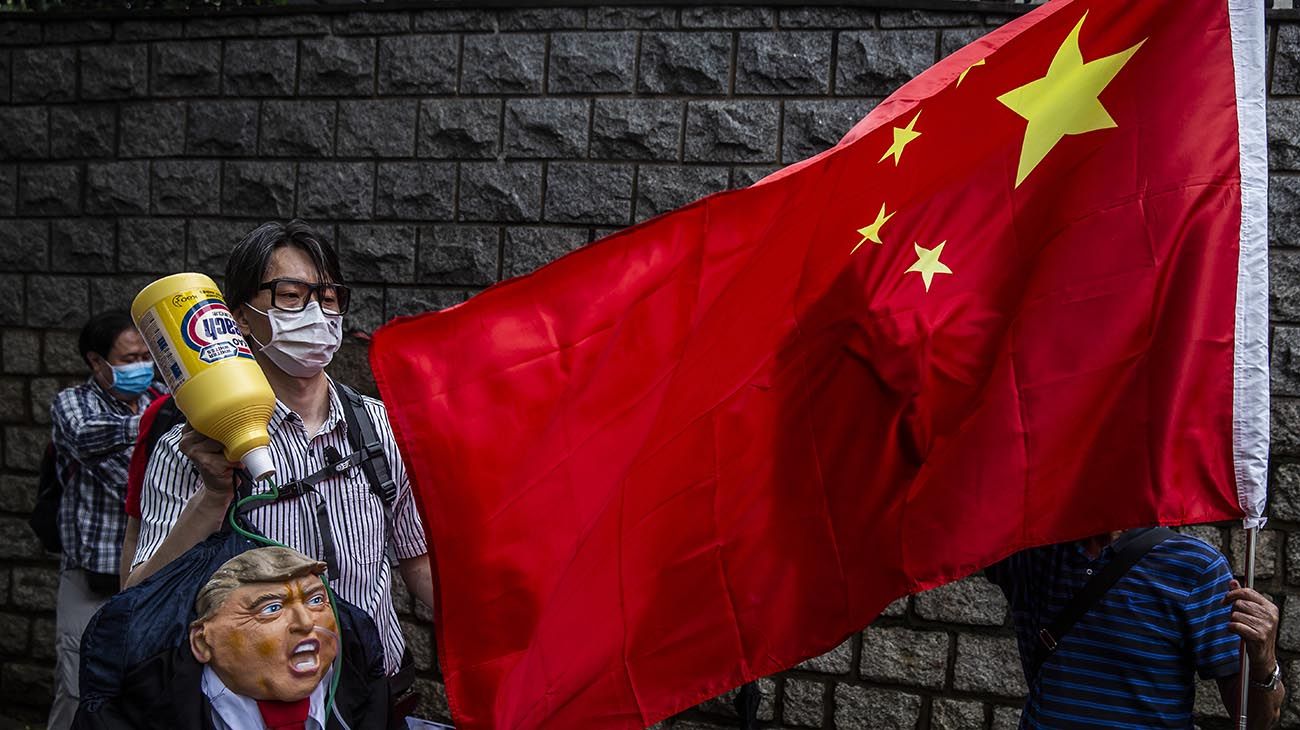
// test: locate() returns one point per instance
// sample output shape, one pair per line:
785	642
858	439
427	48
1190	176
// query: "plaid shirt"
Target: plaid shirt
94	434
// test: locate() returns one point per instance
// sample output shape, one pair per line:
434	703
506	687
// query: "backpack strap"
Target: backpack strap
365	438
1128	550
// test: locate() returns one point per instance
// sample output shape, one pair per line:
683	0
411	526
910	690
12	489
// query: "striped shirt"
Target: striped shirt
356	514
1130	661
93	434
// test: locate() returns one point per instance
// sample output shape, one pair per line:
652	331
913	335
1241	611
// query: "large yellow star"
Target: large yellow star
872	232
1065	100
928	263
902	136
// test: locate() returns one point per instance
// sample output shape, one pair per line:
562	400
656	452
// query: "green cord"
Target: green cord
272	496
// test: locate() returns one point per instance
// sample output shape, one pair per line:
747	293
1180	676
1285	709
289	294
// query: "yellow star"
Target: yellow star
962	77
872	232
1065	100
902	136
928	263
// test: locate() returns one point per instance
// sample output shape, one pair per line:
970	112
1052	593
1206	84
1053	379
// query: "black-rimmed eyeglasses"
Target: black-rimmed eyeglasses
292	295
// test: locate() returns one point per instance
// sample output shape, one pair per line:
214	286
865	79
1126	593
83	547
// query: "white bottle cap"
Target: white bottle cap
258	463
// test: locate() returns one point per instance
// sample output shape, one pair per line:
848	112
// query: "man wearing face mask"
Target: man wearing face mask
286	291
94	429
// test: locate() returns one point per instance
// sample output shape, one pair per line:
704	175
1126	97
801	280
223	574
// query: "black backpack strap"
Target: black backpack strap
365	438
293	490
1128	550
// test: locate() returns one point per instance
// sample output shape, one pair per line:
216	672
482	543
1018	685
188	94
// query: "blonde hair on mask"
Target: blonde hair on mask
262	565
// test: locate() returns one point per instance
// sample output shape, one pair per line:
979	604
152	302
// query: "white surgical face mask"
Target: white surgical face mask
302	343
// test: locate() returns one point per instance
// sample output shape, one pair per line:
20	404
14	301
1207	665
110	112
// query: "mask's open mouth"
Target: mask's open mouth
305	659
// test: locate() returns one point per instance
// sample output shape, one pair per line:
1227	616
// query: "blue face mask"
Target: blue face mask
132	379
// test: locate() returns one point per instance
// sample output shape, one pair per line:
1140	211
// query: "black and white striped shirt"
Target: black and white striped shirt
356	515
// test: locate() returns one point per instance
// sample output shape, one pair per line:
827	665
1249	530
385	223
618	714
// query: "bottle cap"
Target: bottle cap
258	463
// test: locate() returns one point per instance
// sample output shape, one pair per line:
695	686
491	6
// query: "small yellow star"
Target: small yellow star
962	77
872	232
902	136
928	263
1065	101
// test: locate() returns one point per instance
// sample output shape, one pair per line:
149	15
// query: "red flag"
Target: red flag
1015	306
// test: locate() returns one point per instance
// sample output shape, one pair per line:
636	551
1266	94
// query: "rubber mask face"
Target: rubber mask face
270	641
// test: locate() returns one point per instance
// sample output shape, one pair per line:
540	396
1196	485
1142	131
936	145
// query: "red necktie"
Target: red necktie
285	715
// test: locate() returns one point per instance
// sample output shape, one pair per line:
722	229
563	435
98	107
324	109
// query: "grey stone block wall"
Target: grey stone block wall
443	150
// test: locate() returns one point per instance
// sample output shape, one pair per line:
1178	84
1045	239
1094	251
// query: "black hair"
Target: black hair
101	331
251	256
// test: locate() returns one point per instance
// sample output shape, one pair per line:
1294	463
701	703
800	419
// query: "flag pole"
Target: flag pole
1244	691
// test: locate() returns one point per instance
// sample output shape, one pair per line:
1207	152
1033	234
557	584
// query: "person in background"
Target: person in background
94	430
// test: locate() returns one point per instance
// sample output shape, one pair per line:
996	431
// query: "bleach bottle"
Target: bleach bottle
198	347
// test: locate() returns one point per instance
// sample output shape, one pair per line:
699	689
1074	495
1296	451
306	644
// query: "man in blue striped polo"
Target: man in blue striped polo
1131	660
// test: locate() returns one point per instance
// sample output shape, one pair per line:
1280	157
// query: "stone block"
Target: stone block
117	188
528	249
116	292
502	64
221	27
26	684
186	187
19	33
298	128
258	189
956	715
972	600
24	245
356	23
378	253
448	19
989	664
83	131
222	128
83	245
827	17
685	63
926	18
78	31
186	68
337	66
1286	60
1266	550
33	587
812	127
20	349
952	40
336	189
1283	211
17	540
546	127
24	446
897	654
61	356
589	193
791	62
43	638
259	67
1284	366
416	190
500	192
458	255
366	312
154	129
1285	427
1208	534
805	703
1284	494
1006	718
459	128
875	62
44	74
18	492
418	64
636	129
867	708
636	17
27	134
1283	134
419	643
119	71
150	244
592	63
724	704
148	30
540	18
836	661
1288	631
43	392
731	131
661	189
377	128
49	189
8	189
13	400
210	241
896	608
15	631
1284	285
12	312
407	301
721	16
293	24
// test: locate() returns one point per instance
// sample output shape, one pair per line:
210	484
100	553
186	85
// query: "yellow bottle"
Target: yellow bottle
198	347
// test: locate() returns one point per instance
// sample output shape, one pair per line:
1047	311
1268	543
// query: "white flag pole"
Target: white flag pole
1243	699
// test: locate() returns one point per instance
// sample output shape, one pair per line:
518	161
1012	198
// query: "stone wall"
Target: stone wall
444	150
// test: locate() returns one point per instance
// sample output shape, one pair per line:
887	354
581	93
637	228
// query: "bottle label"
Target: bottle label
189	331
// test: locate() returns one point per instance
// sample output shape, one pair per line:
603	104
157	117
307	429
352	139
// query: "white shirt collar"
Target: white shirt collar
231	711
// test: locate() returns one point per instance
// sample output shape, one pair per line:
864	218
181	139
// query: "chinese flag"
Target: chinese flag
1022	302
